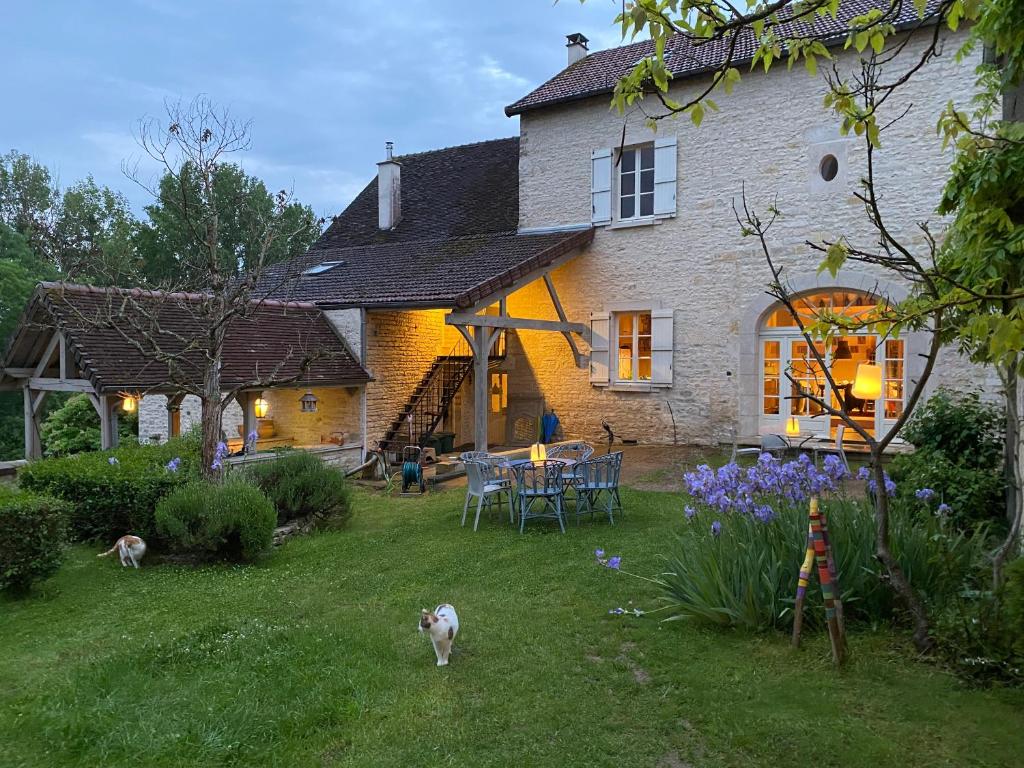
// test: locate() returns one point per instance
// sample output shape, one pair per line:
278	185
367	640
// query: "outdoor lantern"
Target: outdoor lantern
538	453
308	402
868	383
792	426
129	403
261	407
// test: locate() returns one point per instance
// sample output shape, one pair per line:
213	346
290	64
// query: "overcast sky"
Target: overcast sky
325	82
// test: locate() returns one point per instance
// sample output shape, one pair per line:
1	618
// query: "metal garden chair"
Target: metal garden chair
487	484
737	451
597	482
540	492
577	451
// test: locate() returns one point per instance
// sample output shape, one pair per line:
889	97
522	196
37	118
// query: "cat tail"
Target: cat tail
110	551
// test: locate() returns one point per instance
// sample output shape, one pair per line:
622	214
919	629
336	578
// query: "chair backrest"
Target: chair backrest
477	475
474	456
600	471
539	478
771	443
734	439
578	451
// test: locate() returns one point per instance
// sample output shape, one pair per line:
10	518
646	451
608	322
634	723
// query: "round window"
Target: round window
829	167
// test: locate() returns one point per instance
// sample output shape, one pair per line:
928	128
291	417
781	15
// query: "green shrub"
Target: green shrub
746	574
75	428
33	537
300	485
109	499
961	425
233	520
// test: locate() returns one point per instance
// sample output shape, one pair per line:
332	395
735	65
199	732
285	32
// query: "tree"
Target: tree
74	427
222	243
770	30
245	210
92	237
27	198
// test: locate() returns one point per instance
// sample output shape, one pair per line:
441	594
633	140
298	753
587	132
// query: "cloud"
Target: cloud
492	71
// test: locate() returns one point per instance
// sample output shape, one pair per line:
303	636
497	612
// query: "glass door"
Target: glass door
847	353
809	377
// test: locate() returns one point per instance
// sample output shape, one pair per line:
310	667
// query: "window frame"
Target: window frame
635	356
636	150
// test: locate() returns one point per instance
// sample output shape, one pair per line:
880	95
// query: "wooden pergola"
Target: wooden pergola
67	341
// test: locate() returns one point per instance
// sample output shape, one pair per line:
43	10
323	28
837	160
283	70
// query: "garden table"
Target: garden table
567	463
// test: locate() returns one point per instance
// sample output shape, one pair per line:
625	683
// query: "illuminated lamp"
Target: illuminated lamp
261	407
792	426
868	383
538	453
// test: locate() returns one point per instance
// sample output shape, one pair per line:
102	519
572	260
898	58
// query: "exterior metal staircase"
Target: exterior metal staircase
430	401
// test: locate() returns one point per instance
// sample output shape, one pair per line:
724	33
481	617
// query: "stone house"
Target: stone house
594	267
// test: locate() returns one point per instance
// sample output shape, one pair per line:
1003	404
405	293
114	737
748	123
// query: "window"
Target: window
892	391
636	182
323	266
633	343
829	167
772	374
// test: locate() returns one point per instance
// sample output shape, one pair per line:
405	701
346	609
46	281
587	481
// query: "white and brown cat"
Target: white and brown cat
442	625
129	548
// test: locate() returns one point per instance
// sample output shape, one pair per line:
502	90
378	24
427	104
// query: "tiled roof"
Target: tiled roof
448	272
278	342
457	235
598	72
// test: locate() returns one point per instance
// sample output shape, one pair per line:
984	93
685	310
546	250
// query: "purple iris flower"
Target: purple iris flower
173	464
689	512
716	528
613	562
617	611
925	494
113	460
863	473
944	509
598	553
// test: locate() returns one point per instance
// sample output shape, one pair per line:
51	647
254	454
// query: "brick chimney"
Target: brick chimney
577	45
389	190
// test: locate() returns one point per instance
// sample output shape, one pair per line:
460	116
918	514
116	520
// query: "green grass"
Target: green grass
312	658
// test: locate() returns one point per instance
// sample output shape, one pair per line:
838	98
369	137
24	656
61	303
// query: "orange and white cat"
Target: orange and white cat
442	625
129	548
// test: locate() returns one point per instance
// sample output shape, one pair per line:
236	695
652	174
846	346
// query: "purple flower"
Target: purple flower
613	562
113	460
598	553
716	528
689	512
925	494
173	464
617	611
863	473
944	509
216	465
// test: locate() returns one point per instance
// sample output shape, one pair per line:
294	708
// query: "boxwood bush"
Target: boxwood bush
33	538
300	485
112	493
233	519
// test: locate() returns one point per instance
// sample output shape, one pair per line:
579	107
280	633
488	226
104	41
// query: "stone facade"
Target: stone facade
768	137
337	418
153	417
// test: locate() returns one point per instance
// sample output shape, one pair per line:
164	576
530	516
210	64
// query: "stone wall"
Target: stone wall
153	417
338	411
768	137
400	347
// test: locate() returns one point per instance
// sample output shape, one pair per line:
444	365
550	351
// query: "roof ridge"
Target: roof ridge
456	146
83	289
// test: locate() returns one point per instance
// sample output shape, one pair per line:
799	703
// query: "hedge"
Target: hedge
33	538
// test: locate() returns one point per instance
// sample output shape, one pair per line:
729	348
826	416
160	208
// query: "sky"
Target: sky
324	82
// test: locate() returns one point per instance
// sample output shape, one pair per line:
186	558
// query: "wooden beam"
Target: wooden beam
63	355
44	361
61	385
576	356
248	402
481	390
525	280
37	401
33	445
108	422
18	373
522	323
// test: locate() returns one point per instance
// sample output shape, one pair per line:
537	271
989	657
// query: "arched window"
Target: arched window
790	371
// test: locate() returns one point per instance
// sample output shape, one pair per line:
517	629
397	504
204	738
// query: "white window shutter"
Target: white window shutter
600	326
665	163
601	186
661	347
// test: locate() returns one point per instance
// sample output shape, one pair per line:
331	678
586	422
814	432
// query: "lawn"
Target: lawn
312	659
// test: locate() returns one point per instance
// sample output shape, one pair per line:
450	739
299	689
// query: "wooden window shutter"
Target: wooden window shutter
661	347
600	327
601	186
665	176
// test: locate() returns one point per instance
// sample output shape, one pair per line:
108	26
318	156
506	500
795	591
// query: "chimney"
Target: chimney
389	190
577	46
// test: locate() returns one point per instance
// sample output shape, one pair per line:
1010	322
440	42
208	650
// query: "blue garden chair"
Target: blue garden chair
597	484
487	483
539	492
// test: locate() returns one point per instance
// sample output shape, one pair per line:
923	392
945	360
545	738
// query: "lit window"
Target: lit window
636	182
633	342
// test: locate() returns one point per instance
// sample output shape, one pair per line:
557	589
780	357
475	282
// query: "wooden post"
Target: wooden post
248	402
801	588
108	422
33	444
819	554
481	353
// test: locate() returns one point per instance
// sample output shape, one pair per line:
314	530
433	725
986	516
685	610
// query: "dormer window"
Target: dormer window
323	266
636	182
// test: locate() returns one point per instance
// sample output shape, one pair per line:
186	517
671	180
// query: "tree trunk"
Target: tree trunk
897	579
1008	549
212	408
